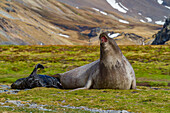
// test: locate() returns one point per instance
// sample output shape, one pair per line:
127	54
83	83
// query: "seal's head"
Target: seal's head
108	44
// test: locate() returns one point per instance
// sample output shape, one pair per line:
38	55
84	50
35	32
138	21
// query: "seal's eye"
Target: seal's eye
104	39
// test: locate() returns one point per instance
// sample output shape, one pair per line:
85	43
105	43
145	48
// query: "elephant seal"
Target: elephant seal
36	80
111	71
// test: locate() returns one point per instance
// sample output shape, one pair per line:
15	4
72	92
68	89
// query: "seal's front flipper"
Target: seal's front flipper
34	72
87	86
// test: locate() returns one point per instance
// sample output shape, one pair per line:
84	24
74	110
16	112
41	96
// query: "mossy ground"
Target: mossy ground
150	63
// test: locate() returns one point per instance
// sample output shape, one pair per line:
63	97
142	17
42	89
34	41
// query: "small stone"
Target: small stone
124	111
63	101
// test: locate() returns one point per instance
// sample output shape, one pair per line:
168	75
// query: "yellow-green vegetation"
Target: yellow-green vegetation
150	63
143	100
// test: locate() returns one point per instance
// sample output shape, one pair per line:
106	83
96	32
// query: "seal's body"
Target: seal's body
36	80
78	77
115	70
111	71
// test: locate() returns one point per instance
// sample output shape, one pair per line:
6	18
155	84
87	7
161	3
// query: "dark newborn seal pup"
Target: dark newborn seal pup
36	80
111	71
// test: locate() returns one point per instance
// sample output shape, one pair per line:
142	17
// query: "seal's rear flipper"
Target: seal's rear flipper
34	72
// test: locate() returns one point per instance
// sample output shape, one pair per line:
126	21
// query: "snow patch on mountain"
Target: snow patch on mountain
117	6
58	29
123	21
113	35
167	7
160	1
102	12
123	6
142	21
96	9
159	22
63	35
139	13
148	19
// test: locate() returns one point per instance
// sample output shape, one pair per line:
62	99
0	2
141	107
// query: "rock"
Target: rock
94	32
130	39
166	2
164	35
136	38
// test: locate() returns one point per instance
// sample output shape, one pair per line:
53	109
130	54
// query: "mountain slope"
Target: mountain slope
70	22
151	11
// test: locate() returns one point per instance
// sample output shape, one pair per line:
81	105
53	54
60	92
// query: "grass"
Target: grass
150	63
144	100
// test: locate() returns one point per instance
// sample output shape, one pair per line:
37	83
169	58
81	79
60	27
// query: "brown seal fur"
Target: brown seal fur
111	71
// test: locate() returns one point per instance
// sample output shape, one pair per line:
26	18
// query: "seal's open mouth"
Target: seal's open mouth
103	39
